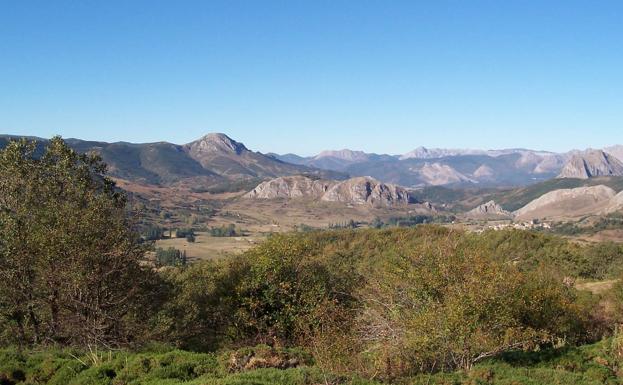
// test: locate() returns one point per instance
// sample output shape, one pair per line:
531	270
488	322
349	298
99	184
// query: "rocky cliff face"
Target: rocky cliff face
290	187
365	190
489	209
591	163
355	191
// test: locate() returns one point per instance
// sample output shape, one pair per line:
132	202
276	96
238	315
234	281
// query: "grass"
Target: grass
586	365
208	247
597	287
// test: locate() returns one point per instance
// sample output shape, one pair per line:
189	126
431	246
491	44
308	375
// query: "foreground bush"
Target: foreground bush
588	365
384	303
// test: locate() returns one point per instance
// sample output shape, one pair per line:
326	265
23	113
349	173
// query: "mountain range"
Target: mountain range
426	167
216	160
210	160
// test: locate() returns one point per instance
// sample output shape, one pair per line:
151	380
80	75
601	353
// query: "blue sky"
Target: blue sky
303	76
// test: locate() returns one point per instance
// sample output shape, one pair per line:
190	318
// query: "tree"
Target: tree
170	257
71	268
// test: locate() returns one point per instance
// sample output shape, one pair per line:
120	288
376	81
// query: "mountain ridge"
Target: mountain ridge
215	158
591	163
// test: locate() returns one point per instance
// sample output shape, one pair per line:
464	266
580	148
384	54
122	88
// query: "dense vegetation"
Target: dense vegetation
412	220
225	231
424	304
170	257
596	364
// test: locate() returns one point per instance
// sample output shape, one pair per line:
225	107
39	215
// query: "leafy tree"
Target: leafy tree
183	233
170	257
70	264
224	231
153	233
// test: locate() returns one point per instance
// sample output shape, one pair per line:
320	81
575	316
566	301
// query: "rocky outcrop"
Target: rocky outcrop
591	163
290	187
489	210
355	191
366	190
568	203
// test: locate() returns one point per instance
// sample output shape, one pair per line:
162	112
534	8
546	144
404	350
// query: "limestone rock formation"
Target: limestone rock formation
366	190
489	210
591	163
291	187
568	203
355	191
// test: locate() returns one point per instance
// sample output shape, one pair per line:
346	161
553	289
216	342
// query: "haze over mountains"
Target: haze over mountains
591	163
508	167
216	159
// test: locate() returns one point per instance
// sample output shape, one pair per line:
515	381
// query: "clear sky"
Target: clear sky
303	76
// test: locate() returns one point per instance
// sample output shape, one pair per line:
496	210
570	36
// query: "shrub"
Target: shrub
224	231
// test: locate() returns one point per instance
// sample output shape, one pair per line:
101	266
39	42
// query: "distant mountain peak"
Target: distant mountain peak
432	153
344	154
217	142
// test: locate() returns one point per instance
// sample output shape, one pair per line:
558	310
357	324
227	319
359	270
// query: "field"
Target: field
256	219
209	247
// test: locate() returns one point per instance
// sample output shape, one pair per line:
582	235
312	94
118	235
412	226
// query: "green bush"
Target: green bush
396	302
225	231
